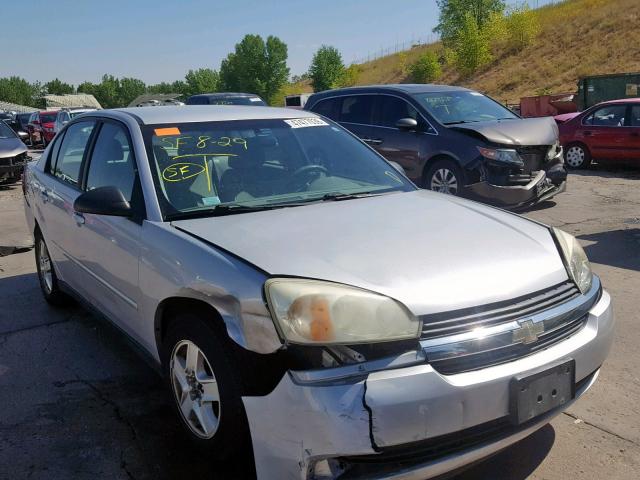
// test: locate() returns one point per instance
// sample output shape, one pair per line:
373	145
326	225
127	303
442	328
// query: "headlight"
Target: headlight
316	312
502	155
575	260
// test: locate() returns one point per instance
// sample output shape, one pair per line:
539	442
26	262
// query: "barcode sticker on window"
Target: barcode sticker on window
306	122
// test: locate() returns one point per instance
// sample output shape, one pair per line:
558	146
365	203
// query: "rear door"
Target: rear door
634	132
604	132
60	188
404	147
355	113
107	248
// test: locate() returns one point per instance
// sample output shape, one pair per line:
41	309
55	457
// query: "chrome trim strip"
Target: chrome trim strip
499	336
113	289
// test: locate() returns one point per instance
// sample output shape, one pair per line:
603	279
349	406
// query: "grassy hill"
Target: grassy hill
577	38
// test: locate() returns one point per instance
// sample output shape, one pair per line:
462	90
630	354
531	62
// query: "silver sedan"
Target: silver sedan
302	296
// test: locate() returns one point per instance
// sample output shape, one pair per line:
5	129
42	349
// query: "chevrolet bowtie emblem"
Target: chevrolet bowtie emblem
528	332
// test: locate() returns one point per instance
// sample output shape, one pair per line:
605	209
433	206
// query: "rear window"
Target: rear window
48	117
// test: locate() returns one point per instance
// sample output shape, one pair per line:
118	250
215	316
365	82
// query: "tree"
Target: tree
471	47
326	70
522	26
256	67
350	76
453	14
129	89
58	87
203	80
426	69
18	90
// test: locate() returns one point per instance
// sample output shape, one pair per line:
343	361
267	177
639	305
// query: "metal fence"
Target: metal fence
399	46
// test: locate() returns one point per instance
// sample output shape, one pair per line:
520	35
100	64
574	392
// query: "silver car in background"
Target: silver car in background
302	295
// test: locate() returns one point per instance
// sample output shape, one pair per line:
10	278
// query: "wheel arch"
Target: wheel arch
442	156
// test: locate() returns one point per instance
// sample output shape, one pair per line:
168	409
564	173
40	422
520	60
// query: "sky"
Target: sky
160	41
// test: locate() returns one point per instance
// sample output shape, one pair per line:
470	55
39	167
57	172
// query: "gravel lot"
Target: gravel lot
77	402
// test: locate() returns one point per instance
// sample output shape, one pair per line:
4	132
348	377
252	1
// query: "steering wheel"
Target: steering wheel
304	175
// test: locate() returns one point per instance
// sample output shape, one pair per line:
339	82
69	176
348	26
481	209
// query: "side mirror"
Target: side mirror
407	124
103	201
398	167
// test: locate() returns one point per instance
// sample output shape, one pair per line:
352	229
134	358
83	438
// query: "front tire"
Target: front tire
204	386
444	176
577	155
47	274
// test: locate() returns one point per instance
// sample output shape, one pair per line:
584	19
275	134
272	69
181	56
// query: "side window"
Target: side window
112	163
391	109
328	108
357	109
53	156
635	116
72	150
611	116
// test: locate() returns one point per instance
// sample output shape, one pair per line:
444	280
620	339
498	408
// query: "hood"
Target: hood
430	251
565	117
10	147
516	132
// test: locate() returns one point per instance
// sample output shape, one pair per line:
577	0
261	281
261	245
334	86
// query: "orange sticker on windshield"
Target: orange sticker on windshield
161	132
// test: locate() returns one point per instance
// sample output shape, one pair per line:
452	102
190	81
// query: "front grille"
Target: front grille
481	337
488	358
5	162
439	447
461	321
533	158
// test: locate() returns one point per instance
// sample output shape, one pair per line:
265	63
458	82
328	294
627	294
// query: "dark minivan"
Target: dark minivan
453	140
226	98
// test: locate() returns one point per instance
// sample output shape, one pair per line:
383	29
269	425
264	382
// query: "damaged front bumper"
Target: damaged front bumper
540	186
401	419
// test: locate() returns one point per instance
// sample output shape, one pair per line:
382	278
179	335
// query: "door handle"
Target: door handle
635	134
372	141
44	195
587	133
79	218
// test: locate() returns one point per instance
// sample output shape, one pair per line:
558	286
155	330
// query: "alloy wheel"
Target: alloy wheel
46	271
195	389
575	156
444	181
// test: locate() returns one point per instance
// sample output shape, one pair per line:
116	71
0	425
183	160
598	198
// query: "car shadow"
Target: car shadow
616	248
538	207
517	462
625	171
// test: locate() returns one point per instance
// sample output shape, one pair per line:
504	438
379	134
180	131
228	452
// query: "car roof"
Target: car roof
225	95
204	113
408	88
621	100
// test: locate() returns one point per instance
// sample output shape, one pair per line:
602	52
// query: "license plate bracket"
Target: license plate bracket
537	393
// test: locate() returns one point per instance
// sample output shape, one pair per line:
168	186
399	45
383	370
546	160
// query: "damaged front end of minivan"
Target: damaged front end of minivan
516	167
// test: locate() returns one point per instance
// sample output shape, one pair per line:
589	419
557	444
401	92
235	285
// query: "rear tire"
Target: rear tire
444	176
47	275
577	155
205	386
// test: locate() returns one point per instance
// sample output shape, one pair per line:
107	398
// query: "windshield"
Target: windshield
6	131
48	117
454	107
262	163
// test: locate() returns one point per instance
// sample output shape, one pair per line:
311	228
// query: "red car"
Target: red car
41	127
608	131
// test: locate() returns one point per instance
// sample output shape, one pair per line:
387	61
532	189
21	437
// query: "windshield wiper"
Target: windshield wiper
336	197
459	122
227	209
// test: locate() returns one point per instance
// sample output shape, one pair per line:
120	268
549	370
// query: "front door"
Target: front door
401	146
604	132
108	248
